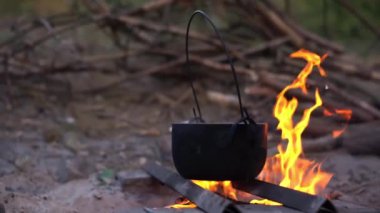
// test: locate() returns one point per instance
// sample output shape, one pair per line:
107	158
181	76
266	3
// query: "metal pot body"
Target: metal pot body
219	151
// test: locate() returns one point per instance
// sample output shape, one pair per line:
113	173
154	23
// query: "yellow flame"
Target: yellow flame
265	202
185	204
287	168
188	205
225	187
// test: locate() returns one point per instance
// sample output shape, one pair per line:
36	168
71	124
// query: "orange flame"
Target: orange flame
287	168
345	113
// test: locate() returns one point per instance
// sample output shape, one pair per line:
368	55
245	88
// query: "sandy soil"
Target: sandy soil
64	153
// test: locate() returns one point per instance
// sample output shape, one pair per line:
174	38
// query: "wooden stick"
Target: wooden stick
150	71
279	23
132	21
136	22
33	25
305	33
53	33
211	64
318	39
223	67
256	49
223	99
150	6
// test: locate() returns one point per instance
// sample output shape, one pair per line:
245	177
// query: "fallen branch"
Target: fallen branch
150	71
52	34
151	6
357	139
307	35
223	99
277	21
136	22
256	49
210	63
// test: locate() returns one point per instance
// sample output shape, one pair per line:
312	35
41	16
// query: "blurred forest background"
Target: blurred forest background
89	89
325	17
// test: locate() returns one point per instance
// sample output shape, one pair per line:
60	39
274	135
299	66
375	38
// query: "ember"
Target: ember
181	203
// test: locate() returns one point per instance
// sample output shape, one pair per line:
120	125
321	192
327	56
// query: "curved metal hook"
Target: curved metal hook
208	19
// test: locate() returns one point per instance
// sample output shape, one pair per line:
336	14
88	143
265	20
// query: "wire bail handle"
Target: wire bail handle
243	112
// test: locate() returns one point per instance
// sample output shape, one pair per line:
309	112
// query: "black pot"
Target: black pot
214	152
235	151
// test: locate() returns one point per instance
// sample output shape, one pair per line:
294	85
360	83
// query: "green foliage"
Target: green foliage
106	176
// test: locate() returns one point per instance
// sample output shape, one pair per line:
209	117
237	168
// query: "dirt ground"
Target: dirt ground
62	152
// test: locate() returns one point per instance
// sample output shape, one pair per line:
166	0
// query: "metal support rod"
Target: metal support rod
204	199
242	207
290	198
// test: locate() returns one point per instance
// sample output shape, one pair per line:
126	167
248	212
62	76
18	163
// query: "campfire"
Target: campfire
287	180
289	168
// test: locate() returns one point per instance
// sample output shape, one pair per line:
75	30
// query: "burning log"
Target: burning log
205	200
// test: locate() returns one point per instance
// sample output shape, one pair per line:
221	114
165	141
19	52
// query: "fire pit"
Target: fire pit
211	202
